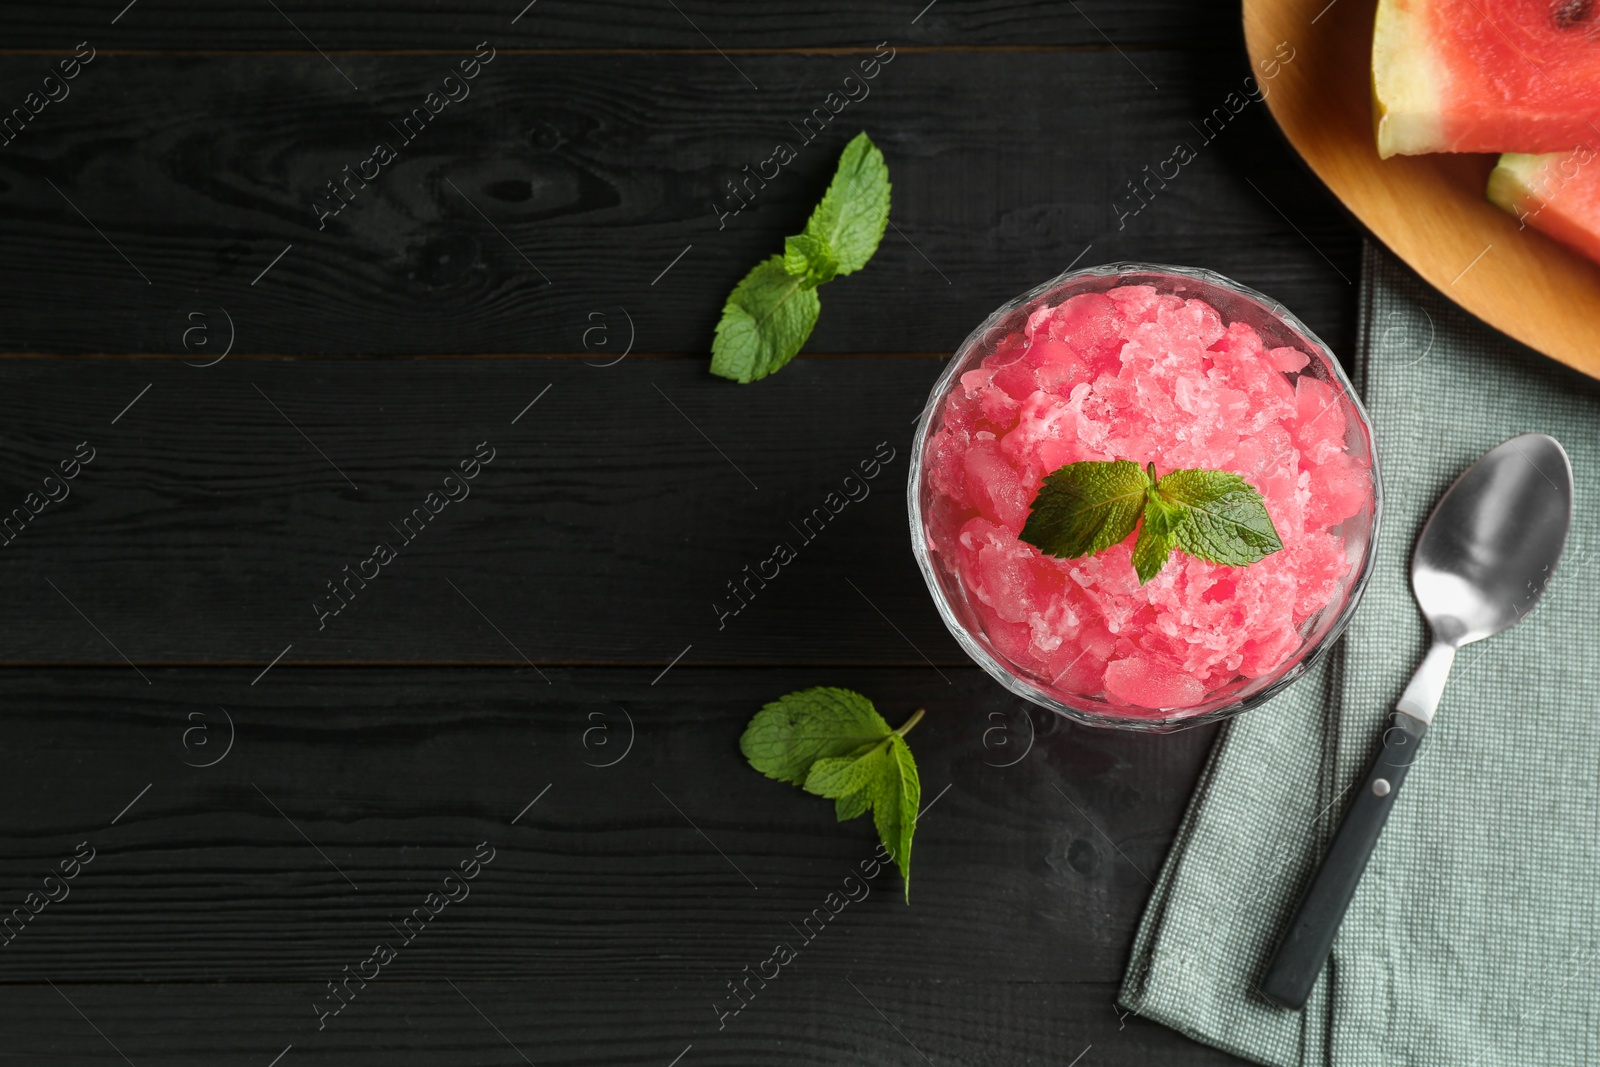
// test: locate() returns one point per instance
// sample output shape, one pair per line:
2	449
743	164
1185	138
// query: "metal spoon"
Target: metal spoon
1481	563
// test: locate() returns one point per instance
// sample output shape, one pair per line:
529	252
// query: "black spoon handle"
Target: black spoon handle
1305	946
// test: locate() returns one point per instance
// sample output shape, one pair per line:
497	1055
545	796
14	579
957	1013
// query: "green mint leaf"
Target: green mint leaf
895	804
792	733
851	218
1157	533
1150	551
766	320
852	804
1224	519
770	314
1083	508
1161	515
809	259
838	777
849	781
836	744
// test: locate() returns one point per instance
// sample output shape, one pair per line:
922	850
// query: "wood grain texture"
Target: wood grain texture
172	25
520	641
597	173
412	1022
678	864
613	516
1430	210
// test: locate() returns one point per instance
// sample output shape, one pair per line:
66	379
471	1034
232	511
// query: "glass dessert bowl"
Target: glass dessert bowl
1171	366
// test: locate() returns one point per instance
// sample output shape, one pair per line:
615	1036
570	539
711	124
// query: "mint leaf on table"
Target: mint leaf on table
882	776
843	777
1084	508
855	210
770	314
1224	519
767	318
896	803
852	804
793	732
834	742
809	259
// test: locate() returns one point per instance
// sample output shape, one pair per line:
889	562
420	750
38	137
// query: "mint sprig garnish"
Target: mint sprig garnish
1085	508
835	744
771	312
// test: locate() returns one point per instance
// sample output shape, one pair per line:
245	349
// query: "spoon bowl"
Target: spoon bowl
1487	552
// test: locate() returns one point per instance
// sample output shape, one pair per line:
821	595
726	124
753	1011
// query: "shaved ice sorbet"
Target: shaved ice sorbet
1170	365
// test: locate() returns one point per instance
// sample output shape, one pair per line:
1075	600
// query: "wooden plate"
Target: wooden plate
1430	210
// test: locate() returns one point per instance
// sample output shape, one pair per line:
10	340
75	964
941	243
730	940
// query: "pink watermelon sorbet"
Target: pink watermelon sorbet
1134	373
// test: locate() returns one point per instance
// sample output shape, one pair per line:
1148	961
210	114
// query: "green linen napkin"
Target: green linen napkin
1474	938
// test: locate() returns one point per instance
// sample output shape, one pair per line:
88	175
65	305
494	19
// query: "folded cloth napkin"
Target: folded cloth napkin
1474	938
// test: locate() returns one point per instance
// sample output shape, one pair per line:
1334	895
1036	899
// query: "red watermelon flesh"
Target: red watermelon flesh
1486	75
1557	194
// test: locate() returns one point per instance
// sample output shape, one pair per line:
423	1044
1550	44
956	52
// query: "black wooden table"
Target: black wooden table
253	390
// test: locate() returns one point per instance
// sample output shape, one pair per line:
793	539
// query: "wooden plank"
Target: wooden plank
570	192
221	503
349	794
452	1018
566	24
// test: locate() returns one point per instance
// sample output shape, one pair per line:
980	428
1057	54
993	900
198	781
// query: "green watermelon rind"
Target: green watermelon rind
1405	83
1512	182
1555	193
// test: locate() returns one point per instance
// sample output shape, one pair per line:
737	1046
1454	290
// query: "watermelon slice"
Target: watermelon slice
1557	194
1486	75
